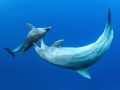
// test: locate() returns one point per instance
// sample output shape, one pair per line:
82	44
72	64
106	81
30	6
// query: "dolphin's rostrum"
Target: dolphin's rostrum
79	59
34	35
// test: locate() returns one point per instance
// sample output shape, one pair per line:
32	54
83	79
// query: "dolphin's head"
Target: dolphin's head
47	29
43	50
37	32
43	30
40	32
38	50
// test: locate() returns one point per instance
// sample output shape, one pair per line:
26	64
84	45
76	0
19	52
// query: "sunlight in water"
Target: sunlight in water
7	1
3	1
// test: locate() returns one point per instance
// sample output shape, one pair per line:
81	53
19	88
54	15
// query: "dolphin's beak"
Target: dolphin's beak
48	28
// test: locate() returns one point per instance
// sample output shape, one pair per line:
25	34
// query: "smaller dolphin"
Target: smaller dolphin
34	35
79	59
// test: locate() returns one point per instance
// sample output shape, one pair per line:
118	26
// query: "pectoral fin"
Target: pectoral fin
30	26
22	50
84	72
57	43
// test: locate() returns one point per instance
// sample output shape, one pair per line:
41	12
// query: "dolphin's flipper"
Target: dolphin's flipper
57	43
84	72
22	50
30	26
9	51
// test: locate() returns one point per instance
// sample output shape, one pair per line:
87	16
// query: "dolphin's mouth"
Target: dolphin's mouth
47	29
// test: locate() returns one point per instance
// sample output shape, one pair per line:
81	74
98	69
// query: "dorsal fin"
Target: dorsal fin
30	26
57	43
42	44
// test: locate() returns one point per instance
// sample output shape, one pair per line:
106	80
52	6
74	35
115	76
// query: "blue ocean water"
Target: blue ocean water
78	22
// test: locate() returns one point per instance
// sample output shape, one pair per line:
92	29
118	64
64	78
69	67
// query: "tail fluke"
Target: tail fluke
9	51
109	16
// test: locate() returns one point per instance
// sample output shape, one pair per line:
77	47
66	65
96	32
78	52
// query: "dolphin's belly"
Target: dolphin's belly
77	58
29	41
68	57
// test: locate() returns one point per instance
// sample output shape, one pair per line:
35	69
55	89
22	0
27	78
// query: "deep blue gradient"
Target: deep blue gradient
78	22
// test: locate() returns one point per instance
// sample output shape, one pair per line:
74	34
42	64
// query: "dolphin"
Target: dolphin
34	35
79	59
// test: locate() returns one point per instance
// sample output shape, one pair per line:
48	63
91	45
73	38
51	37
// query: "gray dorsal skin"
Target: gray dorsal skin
34	35
79	59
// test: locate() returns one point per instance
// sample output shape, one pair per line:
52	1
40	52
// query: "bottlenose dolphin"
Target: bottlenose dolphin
34	35
79	59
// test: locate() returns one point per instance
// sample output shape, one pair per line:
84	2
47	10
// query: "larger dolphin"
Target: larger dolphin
78	59
34	35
